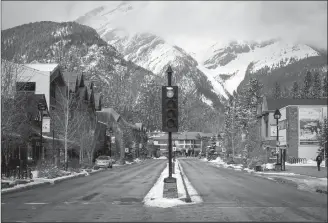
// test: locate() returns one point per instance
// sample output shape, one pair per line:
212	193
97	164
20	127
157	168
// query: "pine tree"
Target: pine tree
306	91
316	89
277	91
285	93
324	87
295	90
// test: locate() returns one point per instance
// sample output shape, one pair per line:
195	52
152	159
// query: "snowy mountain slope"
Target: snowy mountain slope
228	65
148	50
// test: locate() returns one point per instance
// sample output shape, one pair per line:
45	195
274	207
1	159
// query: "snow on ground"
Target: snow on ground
160	158
37	180
308	163
155	198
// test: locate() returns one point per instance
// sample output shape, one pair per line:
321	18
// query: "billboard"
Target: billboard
309	125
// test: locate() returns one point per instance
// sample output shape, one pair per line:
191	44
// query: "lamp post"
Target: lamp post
109	132
277	116
41	108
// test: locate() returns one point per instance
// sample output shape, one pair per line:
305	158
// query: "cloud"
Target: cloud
224	21
195	24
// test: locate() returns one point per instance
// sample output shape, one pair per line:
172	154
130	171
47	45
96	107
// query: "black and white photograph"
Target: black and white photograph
164	111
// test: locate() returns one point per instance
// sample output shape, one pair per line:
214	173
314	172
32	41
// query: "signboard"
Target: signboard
113	139
174	149
126	150
46	124
224	150
309	124
282	137
273	131
155	143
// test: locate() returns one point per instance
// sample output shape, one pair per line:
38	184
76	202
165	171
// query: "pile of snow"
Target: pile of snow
268	166
249	170
308	163
311	184
161	158
218	160
137	160
277	173
155	198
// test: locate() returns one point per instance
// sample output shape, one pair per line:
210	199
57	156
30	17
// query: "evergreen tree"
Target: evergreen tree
306	91
316	89
324	87
277	91
285	93
295	90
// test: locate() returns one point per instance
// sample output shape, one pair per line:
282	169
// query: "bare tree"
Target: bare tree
18	110
69	119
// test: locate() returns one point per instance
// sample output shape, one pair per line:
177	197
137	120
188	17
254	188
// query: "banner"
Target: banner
309	124
46	124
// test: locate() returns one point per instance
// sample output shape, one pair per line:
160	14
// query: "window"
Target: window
25	86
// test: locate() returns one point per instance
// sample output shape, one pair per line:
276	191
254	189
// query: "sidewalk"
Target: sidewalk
308	170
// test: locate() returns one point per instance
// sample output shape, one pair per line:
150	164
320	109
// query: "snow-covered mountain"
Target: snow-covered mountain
228	64
221	68
150	51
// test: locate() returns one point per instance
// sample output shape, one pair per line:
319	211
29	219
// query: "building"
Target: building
183	141
299	125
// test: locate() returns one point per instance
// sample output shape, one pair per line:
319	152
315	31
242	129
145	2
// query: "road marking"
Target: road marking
35	203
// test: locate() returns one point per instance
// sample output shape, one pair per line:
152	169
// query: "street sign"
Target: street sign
113	139
277	149
140	145
126	150
224	150
278	143
174	149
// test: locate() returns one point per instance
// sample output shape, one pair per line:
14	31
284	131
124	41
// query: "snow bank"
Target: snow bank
35	173
137	160
161	158
277	173
310	184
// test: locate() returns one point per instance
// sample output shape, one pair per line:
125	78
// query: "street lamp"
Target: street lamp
109	132
41	108
277	116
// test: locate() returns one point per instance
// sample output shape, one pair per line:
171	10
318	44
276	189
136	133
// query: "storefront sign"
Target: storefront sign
46	124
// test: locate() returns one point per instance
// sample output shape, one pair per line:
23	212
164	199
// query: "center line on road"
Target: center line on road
35	203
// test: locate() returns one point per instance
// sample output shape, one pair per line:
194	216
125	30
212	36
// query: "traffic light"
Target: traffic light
170	109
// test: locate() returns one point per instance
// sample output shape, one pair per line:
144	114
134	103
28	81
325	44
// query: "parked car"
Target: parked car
103	162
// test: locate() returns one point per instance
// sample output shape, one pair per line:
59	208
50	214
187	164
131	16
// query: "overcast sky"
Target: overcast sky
194	23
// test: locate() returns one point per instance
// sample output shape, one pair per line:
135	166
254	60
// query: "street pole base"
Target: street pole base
170	180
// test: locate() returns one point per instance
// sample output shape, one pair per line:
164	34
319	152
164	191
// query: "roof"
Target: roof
274	104
139	125
70	77
106	115
49	67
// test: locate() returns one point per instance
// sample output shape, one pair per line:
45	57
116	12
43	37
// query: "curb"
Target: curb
28	187
188	198
41	184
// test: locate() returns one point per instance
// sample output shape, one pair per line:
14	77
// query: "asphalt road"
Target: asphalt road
230	195
116	195
105	196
